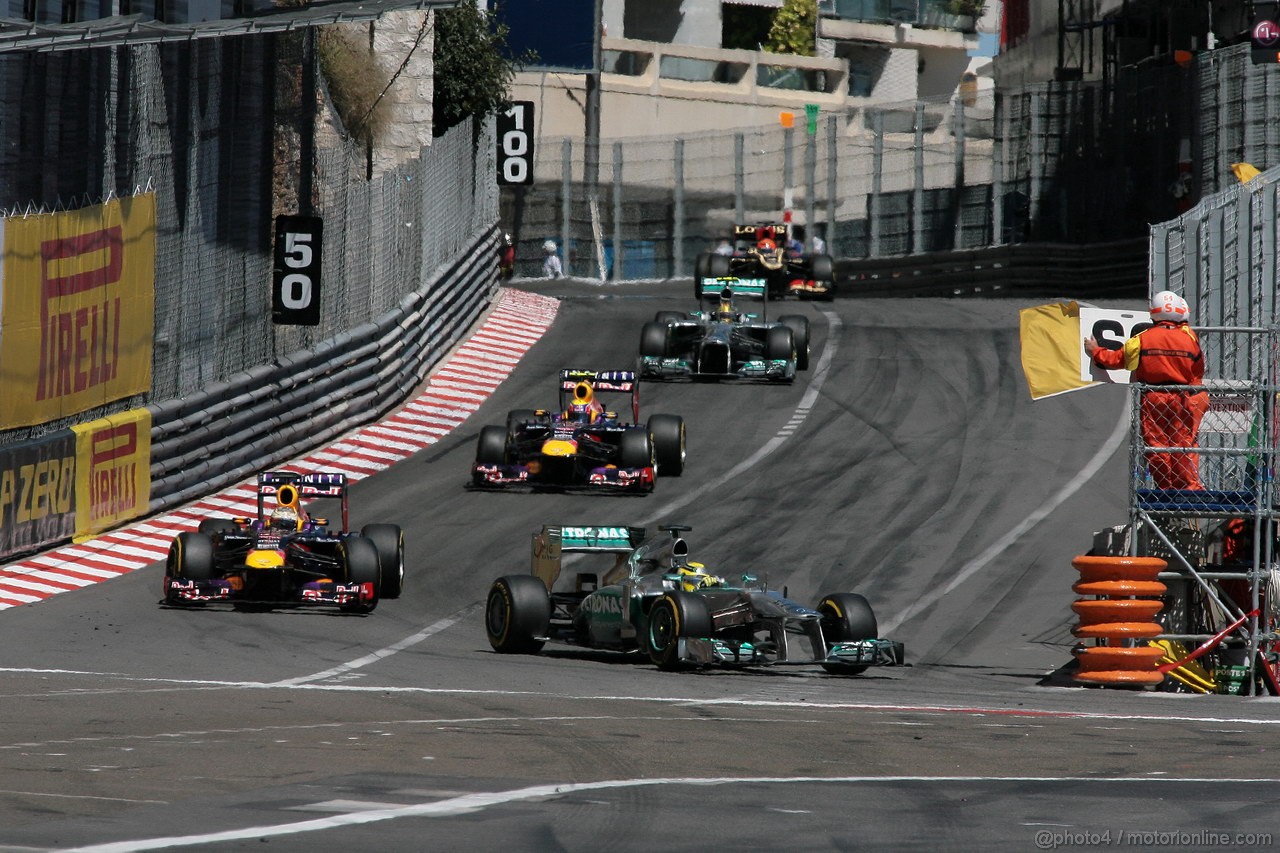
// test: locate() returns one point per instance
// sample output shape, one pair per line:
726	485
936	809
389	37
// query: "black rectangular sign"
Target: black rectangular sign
295	293
515	144
37	492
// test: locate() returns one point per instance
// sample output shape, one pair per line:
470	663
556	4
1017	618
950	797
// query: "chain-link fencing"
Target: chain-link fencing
218	129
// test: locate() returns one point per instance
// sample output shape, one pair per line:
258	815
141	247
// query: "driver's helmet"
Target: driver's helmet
284	518
766	246
694	576
725	311
584	406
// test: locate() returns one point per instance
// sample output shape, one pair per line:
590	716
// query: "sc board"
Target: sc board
1111	328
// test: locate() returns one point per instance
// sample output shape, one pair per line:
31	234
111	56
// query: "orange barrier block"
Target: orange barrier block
1127	603
1120	588
1118	568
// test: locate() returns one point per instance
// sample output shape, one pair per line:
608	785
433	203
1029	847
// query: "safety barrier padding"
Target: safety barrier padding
1123	610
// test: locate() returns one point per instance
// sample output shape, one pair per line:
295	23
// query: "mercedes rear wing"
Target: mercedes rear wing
553	541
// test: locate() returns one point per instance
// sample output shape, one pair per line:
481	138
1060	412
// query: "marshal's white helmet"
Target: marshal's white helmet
1170	307
549	246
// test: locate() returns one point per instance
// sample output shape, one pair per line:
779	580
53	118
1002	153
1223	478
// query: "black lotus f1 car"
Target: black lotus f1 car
761	251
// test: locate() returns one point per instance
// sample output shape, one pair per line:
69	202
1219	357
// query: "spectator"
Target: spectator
506	257
551	267
724	247
819	245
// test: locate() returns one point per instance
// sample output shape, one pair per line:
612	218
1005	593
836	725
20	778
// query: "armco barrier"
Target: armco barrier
1023	270
228	432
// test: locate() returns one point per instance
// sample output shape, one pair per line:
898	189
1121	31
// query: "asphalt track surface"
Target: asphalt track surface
908	464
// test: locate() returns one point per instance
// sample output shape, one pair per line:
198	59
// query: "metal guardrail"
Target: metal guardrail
1026	269
267	414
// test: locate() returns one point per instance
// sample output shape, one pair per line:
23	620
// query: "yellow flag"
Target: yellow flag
1244	172
1051	342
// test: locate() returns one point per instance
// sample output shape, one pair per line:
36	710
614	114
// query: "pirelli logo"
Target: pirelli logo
113	482
79	312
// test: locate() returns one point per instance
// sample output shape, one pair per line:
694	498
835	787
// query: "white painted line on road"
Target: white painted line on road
802	410
374	657
980	562
472	803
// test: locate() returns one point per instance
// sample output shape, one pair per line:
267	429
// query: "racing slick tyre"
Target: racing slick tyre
779	344
701	269
389	540
491	448
520	416
676	615
668	317
635	449
517	614
667	434
358	558
822	268
717	267
846	617
799	327
191	557
211	526
653	339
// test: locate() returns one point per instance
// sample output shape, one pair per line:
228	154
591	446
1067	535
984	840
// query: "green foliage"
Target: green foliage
472	72
793	29
355	82
974	8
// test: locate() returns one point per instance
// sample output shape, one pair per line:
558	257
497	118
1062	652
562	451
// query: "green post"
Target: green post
811	113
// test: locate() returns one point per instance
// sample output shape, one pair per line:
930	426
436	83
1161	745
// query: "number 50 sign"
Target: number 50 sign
295	292
515	144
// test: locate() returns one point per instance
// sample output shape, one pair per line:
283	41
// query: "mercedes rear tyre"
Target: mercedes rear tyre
717	267
701	269
846	617
799	327
667	432
653	340
669	317
517	615
388	539
676	616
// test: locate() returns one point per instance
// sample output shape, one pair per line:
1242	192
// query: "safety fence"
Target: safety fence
408	257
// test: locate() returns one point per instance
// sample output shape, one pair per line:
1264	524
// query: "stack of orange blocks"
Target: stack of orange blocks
1123	609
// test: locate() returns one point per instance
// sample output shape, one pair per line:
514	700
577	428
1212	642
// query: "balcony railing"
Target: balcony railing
930	14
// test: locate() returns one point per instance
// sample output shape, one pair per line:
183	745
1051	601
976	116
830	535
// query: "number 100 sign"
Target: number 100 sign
295	292
515	144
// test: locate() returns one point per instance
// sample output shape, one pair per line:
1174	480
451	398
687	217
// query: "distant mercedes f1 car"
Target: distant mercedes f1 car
653	599
760	251
724	343
285	557
582	444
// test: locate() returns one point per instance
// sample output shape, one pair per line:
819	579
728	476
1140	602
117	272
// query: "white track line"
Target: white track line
980	562
469	804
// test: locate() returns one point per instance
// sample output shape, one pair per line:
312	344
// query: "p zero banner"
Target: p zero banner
77	295
37	492
113	471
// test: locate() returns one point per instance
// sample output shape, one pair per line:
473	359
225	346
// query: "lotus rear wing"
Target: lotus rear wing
290	488
602	381
553	541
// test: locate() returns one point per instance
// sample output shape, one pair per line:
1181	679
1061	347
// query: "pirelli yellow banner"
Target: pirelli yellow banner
113	471
77	296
